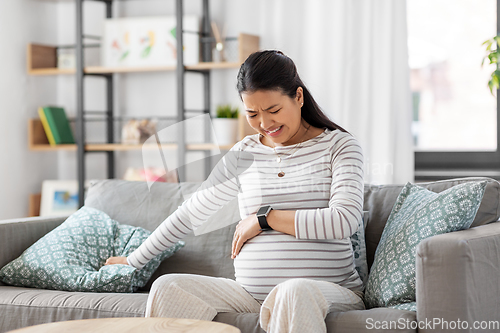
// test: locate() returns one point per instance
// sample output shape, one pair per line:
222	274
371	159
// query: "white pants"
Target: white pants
296	305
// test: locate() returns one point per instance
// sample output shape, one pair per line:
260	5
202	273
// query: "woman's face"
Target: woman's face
274	115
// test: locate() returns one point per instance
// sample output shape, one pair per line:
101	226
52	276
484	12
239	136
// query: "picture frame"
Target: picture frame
59	197
148	41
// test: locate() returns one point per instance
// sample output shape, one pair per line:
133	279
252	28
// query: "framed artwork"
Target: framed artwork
148	41
59	197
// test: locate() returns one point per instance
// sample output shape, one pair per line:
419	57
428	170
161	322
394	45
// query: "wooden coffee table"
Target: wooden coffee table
131	325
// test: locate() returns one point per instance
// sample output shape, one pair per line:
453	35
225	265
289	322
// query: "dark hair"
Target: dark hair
272	70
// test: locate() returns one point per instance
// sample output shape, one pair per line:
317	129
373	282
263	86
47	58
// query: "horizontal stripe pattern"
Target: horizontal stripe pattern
273	257
323	183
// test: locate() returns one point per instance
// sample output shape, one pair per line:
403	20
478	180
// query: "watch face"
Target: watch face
264	210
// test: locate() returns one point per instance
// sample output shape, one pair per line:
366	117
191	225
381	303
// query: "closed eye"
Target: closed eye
274	112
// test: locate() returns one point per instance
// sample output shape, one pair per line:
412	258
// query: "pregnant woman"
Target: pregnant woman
300	197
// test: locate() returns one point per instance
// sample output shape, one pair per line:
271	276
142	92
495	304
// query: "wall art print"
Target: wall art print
148	41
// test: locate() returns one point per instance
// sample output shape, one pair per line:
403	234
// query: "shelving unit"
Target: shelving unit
42	60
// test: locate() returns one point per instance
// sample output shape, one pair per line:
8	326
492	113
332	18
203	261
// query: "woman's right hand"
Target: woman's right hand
116	261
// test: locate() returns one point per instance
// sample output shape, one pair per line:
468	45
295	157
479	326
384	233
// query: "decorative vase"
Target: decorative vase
226	130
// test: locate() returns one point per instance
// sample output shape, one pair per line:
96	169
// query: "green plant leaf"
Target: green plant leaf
490	85
226	111
482	62
488	44
493	56
494	82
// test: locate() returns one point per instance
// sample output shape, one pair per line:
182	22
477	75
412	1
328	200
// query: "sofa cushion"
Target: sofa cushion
135	204
21	307
383	320
410	306
379	200
417	214
207	254
71	257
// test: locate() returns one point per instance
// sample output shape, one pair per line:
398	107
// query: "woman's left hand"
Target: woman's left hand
246	229
116	261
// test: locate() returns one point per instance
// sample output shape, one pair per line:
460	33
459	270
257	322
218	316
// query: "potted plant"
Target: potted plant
226	124
493	56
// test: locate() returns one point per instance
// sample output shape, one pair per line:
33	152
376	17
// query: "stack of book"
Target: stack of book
56	125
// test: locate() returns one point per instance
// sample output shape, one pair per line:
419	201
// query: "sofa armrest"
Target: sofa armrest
19	234
457	279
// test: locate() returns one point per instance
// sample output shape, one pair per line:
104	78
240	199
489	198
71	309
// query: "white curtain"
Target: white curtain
353	56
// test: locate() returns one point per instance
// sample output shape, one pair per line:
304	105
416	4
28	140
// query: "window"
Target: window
455	117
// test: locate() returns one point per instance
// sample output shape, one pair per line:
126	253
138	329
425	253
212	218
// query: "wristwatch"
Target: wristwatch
262	217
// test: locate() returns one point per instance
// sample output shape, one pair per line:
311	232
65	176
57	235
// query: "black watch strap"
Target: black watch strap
262	217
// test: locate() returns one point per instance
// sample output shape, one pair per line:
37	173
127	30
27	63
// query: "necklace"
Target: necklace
278	157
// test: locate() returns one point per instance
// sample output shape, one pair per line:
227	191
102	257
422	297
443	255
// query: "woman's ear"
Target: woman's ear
299	96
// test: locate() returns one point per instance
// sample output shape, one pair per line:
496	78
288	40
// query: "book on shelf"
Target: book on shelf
46	126
56	125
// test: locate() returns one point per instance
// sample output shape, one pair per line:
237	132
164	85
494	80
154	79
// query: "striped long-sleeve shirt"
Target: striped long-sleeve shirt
323	183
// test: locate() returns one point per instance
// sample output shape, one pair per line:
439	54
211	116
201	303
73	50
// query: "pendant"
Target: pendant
281	174
278	159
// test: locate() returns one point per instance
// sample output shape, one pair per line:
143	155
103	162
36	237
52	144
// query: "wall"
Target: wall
21	171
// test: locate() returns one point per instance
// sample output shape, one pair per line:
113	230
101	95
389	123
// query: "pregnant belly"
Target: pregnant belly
273	257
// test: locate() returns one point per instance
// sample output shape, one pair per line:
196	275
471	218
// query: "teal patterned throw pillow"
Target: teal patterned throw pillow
71	257
417	214
359	249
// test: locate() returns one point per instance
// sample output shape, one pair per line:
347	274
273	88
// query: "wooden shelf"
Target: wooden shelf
128	147
37	141
34	204
214	65
50	71
125	147
207	146
41	57
47	147
117	70
112	70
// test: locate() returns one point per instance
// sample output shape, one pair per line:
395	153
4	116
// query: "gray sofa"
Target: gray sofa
457	273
